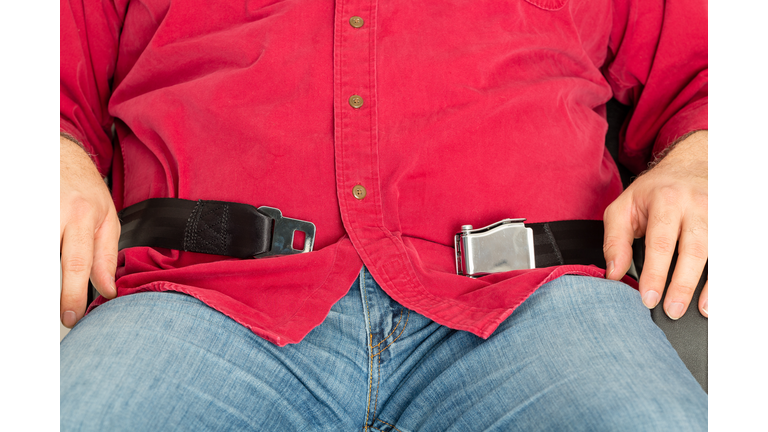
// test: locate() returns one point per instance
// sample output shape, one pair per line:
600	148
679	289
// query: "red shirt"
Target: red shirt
470	114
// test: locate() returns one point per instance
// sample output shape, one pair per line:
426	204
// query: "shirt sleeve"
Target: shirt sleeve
657	64
89	36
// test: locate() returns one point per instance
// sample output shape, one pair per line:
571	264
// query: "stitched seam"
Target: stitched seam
378	381
222	233
547	8
390	333
370	386
215	229
370	336
390	425
189	230
195	222
554	244
374	113
398	336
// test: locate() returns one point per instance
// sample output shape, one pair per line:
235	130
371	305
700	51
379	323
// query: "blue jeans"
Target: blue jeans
580	354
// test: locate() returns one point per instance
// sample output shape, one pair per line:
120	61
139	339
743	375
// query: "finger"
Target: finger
691	259
704	300
76	261
105	256
618	238
660	240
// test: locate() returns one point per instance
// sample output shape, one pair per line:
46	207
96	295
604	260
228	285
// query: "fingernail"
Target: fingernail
608	269
651	299
704	308
68	318
675	310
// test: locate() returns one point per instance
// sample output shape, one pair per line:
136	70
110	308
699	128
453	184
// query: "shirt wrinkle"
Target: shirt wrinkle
232	102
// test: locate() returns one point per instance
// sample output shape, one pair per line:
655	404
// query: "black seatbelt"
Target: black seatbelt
243	231
212	227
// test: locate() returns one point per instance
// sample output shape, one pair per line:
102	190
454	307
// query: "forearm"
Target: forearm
689	152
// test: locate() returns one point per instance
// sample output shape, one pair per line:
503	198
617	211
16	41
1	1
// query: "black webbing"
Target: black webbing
569	242
213	227
241	231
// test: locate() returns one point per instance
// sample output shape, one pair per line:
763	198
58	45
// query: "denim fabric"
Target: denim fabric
580	354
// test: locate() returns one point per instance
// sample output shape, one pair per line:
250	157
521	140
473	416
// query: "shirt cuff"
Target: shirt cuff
68	128
693	117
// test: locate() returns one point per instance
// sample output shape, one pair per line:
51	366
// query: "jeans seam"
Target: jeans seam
363	290
390	425
378	382
390	333
398	336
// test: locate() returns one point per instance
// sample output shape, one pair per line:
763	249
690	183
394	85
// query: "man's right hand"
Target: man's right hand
89	233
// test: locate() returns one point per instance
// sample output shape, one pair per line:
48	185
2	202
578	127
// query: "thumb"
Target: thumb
618	238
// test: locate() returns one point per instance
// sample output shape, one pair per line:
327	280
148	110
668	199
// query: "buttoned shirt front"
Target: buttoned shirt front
389	125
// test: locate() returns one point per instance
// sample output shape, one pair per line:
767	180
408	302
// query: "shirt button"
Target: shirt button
356	101
356	22
359	192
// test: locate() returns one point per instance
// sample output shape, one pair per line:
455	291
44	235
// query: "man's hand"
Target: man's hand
666	204
89	232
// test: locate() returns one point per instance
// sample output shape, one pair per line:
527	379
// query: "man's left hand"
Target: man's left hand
667	204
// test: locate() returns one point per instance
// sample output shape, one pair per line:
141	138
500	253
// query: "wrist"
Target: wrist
75	158
691	148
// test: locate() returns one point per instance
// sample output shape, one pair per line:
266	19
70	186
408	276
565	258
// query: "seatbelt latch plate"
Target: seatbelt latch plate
502	246
283	232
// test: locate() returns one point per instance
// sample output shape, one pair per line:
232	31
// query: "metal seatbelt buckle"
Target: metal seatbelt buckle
283	232
502	246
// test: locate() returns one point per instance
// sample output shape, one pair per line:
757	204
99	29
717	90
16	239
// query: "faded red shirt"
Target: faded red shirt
471	113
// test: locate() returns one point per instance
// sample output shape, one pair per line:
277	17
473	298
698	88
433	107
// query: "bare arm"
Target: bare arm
89	232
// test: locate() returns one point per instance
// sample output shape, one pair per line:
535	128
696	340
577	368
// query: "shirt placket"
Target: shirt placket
355	120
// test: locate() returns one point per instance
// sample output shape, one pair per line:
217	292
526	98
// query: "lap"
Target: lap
580	353
165	361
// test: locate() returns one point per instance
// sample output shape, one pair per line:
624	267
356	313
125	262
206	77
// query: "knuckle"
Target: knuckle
696	250
81	207
108	260
670	195
610	242
697	226
615	208
663	245
683	289
662	217
607	247
75	265
700	200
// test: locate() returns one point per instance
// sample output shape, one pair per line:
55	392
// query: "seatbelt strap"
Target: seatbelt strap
244	231
213	227
571	242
